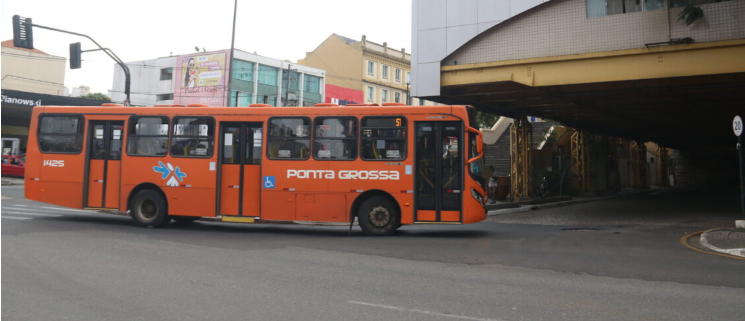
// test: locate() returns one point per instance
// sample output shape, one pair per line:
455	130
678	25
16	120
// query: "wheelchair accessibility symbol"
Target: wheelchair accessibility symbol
268	181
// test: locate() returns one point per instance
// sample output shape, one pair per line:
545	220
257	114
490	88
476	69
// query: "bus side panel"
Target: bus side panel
190	201
95	183
277	205
474	211
426	216
62	179
321	208
407	211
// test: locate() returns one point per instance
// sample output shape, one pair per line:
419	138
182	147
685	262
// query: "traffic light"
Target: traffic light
23	33
75	54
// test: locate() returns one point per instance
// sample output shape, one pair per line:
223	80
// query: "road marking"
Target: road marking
420	311
684	241
16	218
33	214
65	209
7	198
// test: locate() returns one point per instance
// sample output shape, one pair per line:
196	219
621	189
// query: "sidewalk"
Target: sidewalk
725	240
559	201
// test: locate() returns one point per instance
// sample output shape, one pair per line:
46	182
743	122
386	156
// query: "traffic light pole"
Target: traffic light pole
108	51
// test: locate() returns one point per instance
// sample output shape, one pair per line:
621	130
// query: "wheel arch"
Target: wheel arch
368	194
142	187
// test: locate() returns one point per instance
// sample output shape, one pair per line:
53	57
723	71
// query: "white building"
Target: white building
202	78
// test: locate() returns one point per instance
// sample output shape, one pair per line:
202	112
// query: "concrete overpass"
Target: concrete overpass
640	76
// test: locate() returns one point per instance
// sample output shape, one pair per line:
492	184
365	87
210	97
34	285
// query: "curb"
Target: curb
705	242
526	208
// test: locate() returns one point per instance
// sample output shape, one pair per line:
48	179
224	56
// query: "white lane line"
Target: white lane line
420	311
32	214
66	209
16	218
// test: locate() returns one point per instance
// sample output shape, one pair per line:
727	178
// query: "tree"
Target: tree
486	120
97	96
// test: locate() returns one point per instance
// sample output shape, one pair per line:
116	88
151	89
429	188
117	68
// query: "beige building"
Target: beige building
380	73
32	70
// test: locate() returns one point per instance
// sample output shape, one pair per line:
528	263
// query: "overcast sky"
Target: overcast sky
145	29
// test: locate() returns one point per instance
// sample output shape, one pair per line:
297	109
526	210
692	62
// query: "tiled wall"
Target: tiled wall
561	27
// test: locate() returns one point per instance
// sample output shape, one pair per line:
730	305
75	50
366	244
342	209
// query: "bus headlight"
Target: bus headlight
477	196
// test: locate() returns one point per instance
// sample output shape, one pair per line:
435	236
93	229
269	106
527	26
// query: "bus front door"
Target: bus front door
240	169
104	153
439	167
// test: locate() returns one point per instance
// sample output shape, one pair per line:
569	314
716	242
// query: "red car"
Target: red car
13	166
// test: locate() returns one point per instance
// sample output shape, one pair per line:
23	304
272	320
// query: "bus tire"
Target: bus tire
378	216
185	219
149	209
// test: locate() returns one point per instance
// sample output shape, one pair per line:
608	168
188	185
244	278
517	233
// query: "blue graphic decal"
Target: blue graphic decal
269	181
165	171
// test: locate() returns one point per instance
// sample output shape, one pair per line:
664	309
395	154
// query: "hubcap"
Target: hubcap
148	209
379	216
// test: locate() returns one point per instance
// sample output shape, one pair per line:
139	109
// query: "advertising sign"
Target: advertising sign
343	96
201	78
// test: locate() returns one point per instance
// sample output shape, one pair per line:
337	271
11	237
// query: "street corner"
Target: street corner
729	241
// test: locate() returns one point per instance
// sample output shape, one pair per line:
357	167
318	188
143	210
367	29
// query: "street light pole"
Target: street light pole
232	52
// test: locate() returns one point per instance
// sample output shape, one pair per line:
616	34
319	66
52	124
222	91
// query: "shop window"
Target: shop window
193	137
289	138
335	138
148	136
61	134
383	138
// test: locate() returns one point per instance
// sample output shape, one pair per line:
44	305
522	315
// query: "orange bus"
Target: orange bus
384	166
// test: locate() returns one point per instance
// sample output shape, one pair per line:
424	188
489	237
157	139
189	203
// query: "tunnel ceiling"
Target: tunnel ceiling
674	112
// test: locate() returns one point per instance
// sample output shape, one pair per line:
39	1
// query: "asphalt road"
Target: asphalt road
594	261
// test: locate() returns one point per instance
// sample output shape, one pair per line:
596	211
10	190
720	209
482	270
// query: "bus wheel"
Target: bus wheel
378	216
185	219
149	209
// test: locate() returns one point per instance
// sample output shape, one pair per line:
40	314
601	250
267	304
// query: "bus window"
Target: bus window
61	134
383	138
148	136
335	138
289	138
193	137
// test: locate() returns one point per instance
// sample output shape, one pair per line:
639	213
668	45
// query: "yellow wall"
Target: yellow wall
28	71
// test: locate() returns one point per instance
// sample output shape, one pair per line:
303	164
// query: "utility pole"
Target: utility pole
287	86
25	31
230	63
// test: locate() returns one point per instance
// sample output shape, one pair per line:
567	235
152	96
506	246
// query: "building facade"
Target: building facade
30	77
363	71
203	78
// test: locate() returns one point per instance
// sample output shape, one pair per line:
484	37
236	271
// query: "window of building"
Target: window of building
335	138
148	136
599	8
166	74
165	97
408	77
385	71
312	84
397	98
193	137
370	93
289	138
268	75
398	75
384	95
383	138
61	134
370	68
243	98
243	70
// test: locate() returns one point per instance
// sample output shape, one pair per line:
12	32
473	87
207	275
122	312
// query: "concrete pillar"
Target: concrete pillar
521	169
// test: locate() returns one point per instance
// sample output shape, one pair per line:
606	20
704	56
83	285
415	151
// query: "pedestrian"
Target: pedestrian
492	186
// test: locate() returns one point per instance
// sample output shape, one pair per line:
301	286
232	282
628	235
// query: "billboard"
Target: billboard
343	96
202	78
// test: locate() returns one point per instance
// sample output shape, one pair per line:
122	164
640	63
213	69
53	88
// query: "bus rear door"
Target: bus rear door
240	169
439	168
103	170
